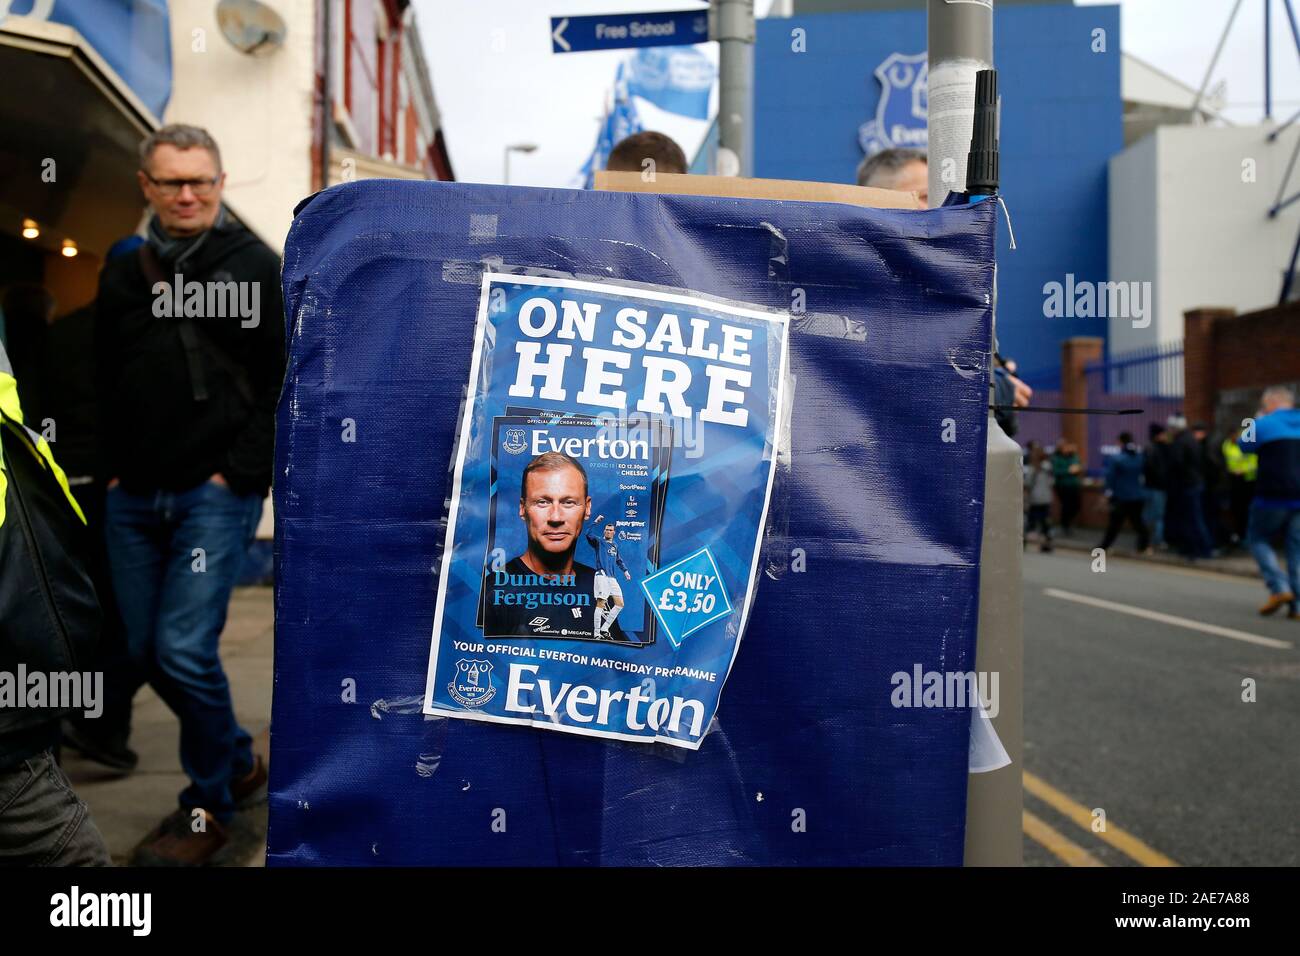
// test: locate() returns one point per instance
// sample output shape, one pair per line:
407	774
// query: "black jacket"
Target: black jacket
1186	463
49	617
1155	473
70	397
154	433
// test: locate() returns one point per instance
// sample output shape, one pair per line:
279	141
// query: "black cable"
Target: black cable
1071	411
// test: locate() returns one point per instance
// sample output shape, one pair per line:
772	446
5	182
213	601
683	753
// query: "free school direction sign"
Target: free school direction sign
616	30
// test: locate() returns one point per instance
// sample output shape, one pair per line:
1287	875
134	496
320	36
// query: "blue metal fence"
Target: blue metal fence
1150	379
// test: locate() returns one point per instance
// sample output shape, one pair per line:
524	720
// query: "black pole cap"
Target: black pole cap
982	161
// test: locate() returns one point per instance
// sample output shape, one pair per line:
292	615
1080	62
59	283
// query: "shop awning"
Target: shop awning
70	115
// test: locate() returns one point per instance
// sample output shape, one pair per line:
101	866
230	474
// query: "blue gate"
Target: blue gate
1150	379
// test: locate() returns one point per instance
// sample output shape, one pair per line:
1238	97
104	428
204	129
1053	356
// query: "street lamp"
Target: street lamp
517	148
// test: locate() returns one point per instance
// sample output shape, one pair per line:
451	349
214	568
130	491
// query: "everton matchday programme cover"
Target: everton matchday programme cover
607	475
612	482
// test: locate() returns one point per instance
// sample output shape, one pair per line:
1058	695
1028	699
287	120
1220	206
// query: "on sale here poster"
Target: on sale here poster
611	484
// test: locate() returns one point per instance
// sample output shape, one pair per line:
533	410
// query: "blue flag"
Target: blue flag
620	122
678	79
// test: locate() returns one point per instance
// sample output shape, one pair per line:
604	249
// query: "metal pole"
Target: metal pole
960	45
1268	59
327	97
1273	135
731	23
1290	273
506	180
1286	181
1290	16
1214	60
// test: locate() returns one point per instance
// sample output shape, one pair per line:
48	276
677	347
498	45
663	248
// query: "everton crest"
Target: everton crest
471	684
515	441
904	101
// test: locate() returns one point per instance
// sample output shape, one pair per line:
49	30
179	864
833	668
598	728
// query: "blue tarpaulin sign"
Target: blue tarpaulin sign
867	558
556	507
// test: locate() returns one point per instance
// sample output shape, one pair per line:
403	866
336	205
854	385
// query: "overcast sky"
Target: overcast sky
497	81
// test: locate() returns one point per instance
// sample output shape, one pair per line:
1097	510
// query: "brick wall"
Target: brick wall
1224	351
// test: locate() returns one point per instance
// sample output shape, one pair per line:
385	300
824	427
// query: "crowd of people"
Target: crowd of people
1188	492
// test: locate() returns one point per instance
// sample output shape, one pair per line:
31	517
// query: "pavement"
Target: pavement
125	808
1133	705
1235	561
1137	682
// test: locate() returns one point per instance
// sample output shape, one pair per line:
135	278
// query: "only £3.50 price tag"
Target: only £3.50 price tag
687	595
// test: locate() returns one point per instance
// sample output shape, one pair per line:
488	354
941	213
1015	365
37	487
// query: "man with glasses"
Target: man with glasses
187	399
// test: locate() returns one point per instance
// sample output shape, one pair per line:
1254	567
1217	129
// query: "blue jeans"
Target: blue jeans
174	558
1266	521
1153	515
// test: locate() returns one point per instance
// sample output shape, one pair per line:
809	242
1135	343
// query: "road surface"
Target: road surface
1133	704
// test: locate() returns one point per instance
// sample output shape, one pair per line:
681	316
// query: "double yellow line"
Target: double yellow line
1065	849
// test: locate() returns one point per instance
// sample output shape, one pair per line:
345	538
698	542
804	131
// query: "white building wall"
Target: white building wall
1133	245
258	108
1189	212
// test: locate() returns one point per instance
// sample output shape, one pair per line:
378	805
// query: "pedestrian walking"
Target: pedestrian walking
1155	477
1185	512
1124	492
1276	507
1214	472
75	406
1068	473
1039	479
189	407
1242	469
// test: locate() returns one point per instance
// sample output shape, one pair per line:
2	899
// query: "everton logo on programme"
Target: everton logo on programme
515	441
904	101
471	684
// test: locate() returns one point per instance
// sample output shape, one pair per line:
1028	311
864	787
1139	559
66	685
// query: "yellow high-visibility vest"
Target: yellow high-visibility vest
1238	462
11	416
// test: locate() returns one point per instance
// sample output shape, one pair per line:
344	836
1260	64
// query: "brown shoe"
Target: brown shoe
250	790
175	843
1275	601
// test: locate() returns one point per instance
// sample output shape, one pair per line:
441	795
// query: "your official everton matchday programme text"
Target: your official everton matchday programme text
570	657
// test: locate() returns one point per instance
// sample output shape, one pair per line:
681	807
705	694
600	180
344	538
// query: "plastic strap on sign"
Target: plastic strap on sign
611	485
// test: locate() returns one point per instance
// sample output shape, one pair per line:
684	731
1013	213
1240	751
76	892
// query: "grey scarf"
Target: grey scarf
175	251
